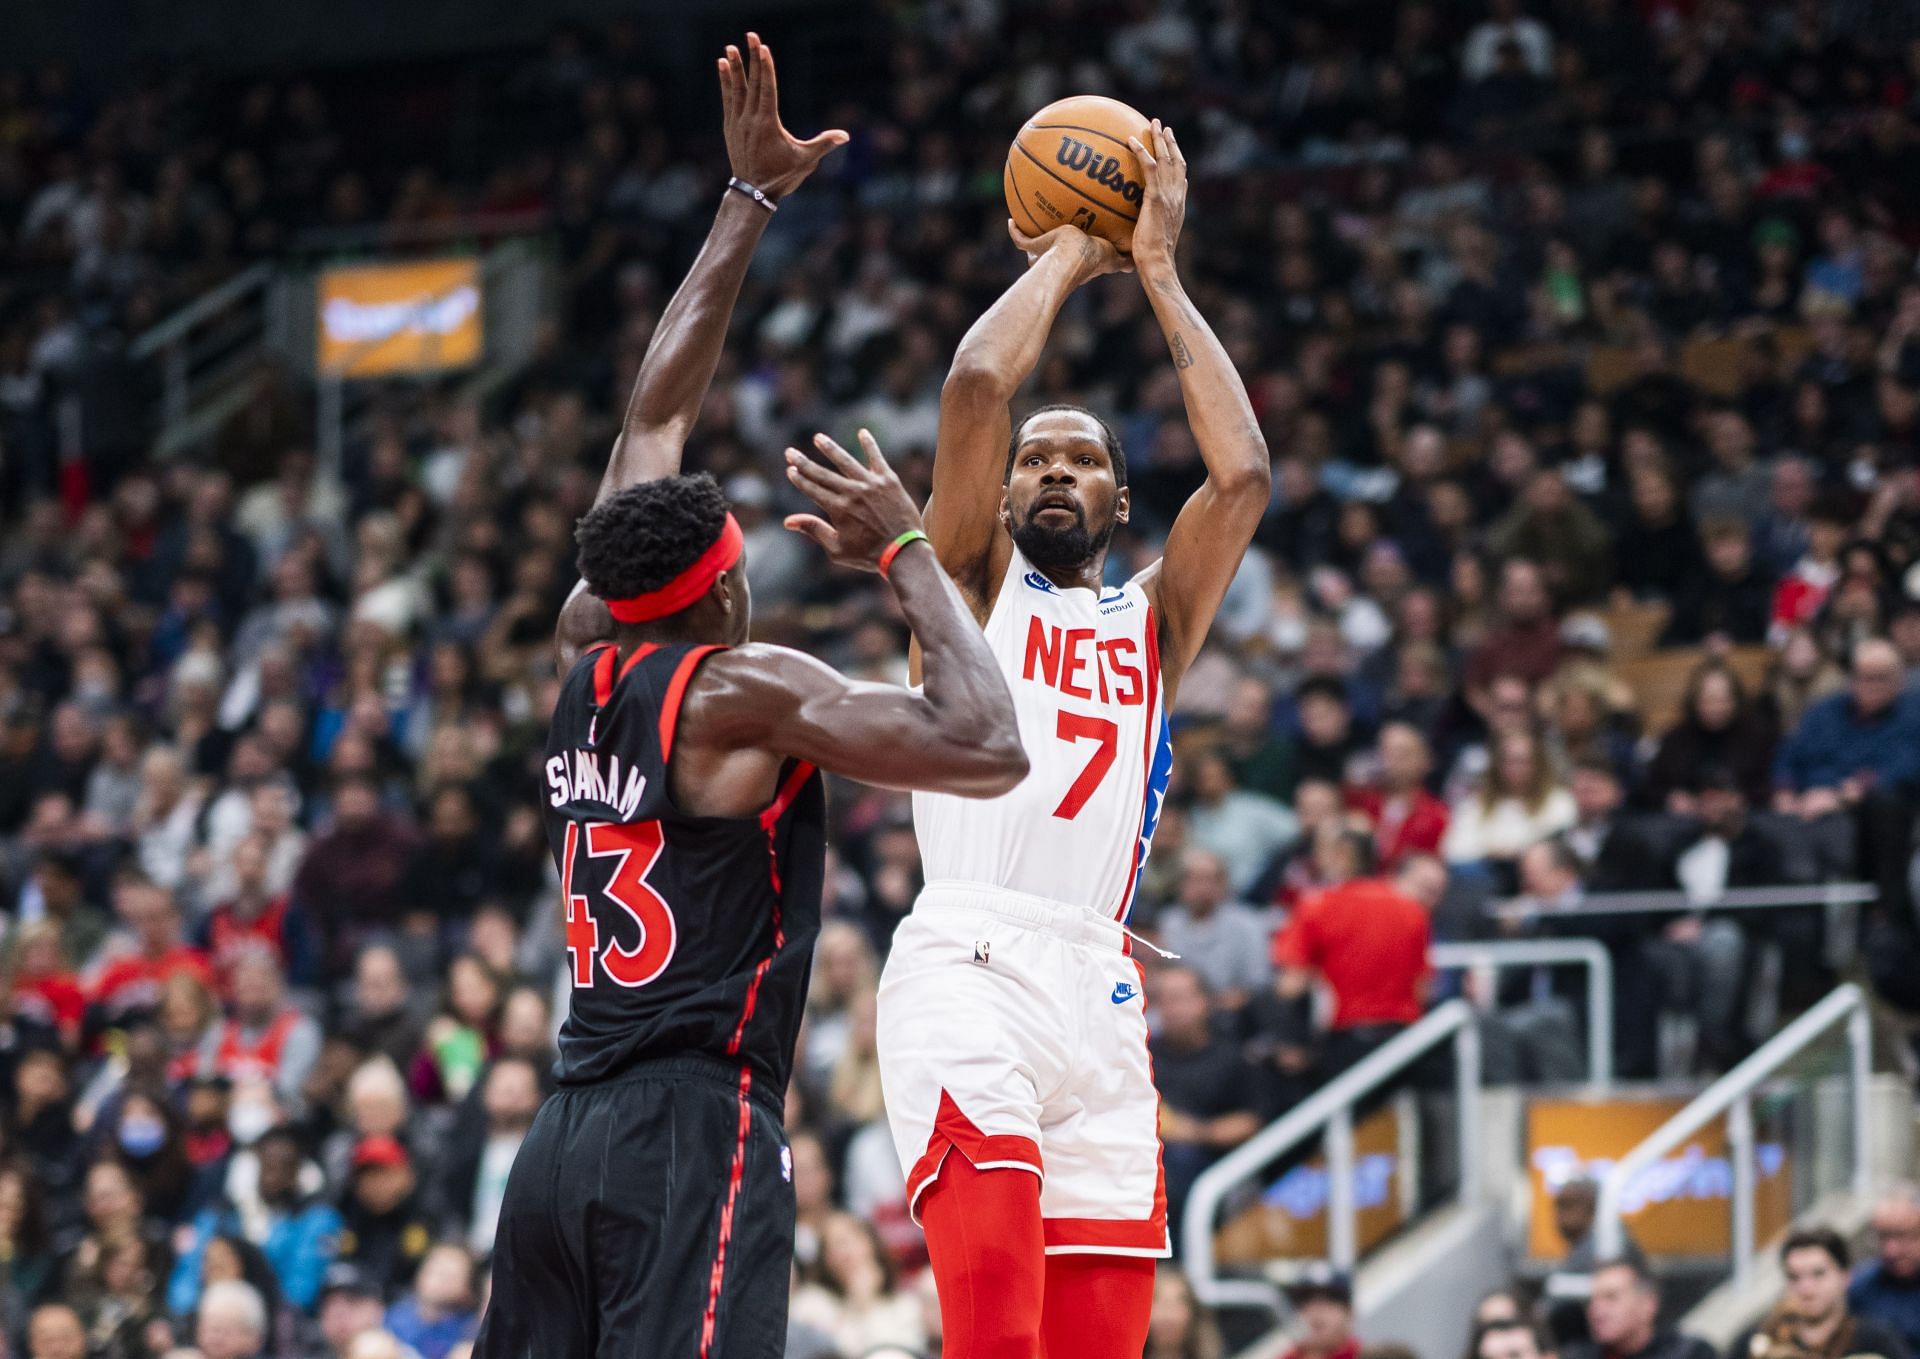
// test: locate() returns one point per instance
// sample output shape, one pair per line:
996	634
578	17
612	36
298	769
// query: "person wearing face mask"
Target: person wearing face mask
286	1217
147	1142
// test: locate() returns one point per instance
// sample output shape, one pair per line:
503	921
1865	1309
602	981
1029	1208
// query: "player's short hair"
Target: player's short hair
638	539
1115	453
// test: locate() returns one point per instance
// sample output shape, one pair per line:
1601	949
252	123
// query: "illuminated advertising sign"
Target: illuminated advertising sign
1680	1206
1290	1219
414	317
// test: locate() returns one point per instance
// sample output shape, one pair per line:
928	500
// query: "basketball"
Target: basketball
1070	165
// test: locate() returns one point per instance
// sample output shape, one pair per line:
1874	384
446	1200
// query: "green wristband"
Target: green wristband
893	548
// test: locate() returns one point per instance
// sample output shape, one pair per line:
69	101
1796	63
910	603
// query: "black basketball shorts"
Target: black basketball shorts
647	1216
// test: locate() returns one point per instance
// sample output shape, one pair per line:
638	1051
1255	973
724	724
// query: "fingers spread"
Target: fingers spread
842	460
822	484
875	460
1140	150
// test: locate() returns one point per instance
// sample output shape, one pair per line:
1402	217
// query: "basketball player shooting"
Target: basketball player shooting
1013	1045
650	1210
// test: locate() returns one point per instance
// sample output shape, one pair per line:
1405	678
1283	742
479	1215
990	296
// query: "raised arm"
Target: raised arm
997	355
1211	534
685	349
957	734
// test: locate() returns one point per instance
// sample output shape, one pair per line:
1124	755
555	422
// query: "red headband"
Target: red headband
686	587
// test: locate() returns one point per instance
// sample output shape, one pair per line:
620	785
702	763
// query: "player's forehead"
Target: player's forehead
1054	431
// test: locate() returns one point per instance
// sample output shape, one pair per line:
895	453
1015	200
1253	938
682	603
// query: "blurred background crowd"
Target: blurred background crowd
1586	338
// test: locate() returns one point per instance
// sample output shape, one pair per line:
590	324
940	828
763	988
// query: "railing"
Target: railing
1329	1111
1732	1096
205	351
1485	959
1839	899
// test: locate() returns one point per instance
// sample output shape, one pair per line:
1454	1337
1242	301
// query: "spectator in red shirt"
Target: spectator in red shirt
1406	817
267	1039
1366	938
46	993
1798	598
137	966
254	919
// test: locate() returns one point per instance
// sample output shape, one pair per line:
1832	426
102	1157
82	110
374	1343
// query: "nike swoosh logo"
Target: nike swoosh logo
1122	993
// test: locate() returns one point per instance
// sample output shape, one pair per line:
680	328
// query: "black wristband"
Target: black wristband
758	195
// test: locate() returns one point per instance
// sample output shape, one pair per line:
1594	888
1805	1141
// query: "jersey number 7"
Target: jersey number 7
1083	727
635	848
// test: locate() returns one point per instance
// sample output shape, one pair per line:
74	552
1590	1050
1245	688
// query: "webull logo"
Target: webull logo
1105	171
1689	1176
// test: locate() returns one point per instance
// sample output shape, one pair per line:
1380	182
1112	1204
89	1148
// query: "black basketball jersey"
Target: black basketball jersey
687	935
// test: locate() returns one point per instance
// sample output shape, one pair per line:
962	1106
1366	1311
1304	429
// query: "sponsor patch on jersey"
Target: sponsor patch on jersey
1118	602
1039	582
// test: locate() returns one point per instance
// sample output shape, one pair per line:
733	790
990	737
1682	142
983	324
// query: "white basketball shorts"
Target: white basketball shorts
1012	1030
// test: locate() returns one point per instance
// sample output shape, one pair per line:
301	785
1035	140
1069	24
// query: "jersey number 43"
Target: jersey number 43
634	848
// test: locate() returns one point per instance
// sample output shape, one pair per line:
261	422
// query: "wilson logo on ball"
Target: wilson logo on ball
1102	170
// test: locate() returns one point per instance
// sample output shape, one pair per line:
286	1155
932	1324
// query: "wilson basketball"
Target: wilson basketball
1071	165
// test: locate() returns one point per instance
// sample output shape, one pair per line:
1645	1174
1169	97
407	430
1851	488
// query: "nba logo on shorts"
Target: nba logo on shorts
786	1164
981	948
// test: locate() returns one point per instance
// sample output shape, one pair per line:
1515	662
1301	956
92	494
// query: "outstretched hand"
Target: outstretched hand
1156	236
866	506
759	148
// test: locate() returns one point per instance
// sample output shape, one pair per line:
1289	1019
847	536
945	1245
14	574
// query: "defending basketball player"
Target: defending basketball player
1013	1045
650	1210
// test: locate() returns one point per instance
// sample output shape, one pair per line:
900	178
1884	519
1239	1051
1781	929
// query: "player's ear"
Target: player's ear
1006	511
1122	504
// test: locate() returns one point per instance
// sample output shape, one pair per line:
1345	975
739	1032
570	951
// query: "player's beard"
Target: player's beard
1058	549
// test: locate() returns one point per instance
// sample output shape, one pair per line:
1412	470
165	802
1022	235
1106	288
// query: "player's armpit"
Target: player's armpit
770	698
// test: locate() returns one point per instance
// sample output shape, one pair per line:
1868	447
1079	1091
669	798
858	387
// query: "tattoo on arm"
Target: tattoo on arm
1182	356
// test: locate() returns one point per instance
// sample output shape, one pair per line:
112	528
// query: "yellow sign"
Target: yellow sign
1681	1206
1290	1220
419	316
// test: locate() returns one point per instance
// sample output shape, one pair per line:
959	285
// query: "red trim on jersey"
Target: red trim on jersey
769	819
954	1131
676	693
603	674
735	1174
1146	791
789	790
604	679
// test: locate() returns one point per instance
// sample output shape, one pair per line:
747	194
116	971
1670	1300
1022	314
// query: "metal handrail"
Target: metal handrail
1732	1095
1733	899
210	303
1488	956
1330	1110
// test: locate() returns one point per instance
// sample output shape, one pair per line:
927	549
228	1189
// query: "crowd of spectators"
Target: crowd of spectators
1555	315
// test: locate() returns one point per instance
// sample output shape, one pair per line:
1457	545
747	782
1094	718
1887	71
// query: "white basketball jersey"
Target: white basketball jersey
1084	668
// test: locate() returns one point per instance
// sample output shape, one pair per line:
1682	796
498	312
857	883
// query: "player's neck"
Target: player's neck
1088	575
671	631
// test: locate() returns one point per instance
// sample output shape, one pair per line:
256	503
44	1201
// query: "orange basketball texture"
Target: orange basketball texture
1071	165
